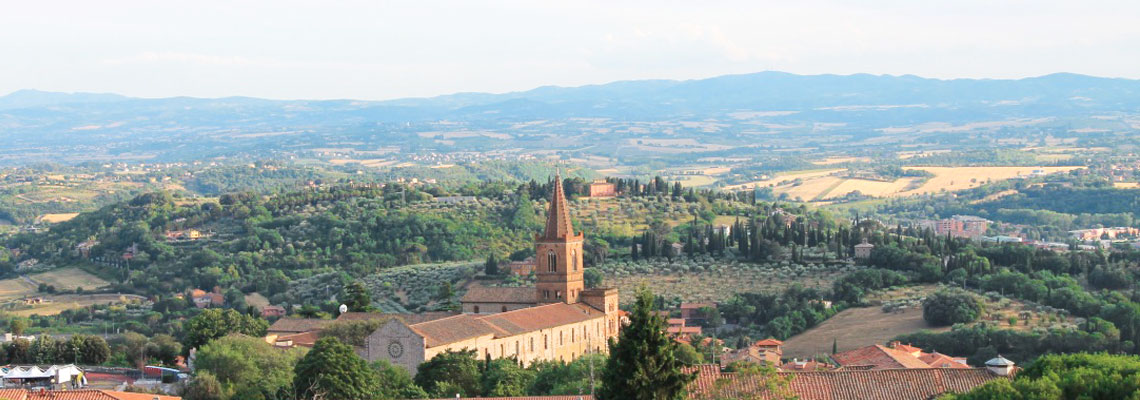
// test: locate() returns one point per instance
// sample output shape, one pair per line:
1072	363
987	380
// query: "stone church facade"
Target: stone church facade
558	319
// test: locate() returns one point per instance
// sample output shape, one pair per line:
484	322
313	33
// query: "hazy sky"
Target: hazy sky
381	50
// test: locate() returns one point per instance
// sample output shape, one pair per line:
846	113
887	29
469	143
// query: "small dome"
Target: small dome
999	362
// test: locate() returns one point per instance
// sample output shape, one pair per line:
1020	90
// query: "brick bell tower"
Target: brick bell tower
558	254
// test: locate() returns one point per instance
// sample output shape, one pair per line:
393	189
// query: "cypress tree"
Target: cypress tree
643	363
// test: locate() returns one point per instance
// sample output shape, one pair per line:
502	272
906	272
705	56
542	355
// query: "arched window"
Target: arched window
516	347
574	259
532	344
504	308
476	309
558	294
551	262
545	342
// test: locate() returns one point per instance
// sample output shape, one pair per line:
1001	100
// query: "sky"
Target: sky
378	50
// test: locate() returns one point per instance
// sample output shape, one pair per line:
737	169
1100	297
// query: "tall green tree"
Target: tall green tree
332	370
396	382
356	296
248	367
643	363
214	323
503	377
449	372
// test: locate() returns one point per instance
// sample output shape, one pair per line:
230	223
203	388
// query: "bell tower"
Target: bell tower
558	254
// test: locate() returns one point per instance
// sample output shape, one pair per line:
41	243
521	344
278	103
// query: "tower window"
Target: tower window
574	259
551	262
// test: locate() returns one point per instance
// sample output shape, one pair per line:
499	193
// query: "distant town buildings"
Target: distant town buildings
204	299
602	189
522	268
966	226
1114	233
863	250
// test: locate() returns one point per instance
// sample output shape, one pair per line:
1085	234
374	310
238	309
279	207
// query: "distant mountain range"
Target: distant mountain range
859	103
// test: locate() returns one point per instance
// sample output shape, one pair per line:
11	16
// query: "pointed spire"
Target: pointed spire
558	217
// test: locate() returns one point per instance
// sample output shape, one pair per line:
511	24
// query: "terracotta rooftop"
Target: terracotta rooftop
512	295
939	360
878	357
697	305
566	397
558	217
466	326
303	339
768	343
407	318
886	384
453	329
81	394
298	325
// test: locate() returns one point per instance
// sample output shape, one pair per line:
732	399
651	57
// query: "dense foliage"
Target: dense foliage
948	307
1073	376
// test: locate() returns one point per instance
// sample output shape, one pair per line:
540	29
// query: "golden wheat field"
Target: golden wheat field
826	184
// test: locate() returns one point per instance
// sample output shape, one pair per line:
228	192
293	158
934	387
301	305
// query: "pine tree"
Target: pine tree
642	363
491	267
834	346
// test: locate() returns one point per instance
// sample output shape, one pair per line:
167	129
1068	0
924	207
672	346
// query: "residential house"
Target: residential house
602	189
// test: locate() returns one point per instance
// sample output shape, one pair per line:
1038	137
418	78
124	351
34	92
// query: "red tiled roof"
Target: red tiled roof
453	329
684	329
81	394
12	394
542	317
466	326
768	342
514	295
298	325
878	357
407	318
566	397
939	360
697	305
304	339
675	321
886	384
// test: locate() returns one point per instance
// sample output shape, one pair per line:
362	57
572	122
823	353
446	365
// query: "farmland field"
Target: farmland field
854	328
16	288
960	178
826	184
69	279
58	217
59	303
858	327
715	281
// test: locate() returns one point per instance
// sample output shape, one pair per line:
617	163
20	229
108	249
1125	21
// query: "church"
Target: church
558	319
